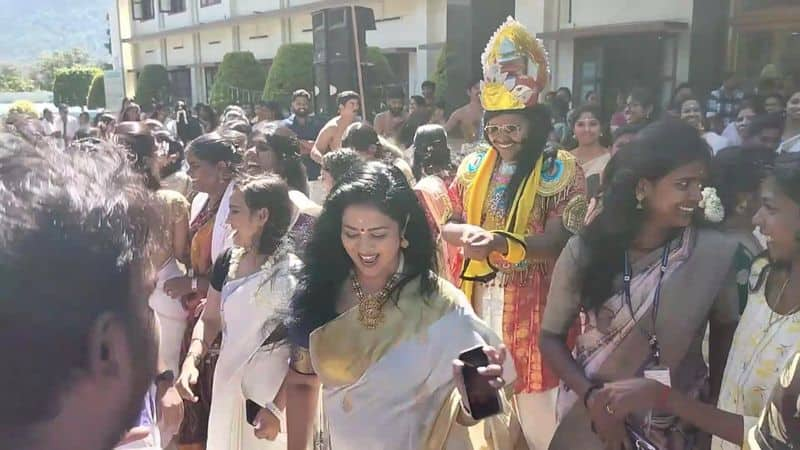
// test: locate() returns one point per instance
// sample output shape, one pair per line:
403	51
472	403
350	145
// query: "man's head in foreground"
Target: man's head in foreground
74	284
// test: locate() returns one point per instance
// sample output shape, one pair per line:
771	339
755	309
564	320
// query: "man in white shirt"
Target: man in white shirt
65	126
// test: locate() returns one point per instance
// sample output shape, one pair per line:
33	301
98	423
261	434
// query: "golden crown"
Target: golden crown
506	85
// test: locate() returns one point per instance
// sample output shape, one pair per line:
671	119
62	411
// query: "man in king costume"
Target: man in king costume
515	205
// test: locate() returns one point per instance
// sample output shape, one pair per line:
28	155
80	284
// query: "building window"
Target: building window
171	6
210	74
180	83
204	3
143	10
765	43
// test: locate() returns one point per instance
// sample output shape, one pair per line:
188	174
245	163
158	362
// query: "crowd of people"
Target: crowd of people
241	280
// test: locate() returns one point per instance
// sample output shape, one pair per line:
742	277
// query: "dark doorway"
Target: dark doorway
470	25
180	81
614	64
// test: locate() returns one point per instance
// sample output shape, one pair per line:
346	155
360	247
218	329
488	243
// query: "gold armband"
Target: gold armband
574	213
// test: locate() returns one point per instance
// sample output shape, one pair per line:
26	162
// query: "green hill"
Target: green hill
32	27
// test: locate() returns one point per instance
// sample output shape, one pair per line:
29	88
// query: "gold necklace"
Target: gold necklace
370	307
770	323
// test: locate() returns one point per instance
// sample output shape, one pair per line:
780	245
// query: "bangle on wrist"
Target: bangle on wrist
589	392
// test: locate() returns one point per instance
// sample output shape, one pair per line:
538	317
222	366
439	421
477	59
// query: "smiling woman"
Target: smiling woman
691	112
371	312
648	280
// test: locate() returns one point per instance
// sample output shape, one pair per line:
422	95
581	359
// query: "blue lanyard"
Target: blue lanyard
655	349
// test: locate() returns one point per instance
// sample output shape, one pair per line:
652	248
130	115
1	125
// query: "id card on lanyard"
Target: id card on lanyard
656	372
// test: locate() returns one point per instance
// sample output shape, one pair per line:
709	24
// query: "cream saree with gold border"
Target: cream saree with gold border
392	387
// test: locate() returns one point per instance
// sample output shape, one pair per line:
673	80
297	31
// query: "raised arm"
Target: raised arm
322	144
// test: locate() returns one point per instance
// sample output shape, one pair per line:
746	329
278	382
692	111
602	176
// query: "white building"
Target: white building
604	46
191	40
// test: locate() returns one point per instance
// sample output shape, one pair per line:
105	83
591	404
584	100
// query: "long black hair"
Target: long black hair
786	172
658	149
141	146
739	170
287	149
175	148
539	127
327	264
431	152
270	192
213	148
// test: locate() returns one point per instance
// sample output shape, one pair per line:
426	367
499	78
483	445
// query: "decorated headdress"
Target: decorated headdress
505	84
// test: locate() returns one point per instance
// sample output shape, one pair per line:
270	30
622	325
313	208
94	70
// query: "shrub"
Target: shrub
152	85
71	86
12	80
239	75
440	77
97	93
380	72
292	69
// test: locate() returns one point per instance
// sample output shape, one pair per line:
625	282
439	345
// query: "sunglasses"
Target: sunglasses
493	130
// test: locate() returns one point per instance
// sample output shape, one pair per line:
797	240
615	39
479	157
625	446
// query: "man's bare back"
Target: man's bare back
467	121
388	125
330	138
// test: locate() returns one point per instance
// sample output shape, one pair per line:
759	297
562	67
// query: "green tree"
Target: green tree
49	63
11	80
292	69
240	75
444	65
379	75
71	85
379	72
97	92
152	85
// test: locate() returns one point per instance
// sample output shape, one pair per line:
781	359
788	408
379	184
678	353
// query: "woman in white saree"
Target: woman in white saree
250	284
375	326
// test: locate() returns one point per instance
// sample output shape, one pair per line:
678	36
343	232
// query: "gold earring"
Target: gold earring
404	242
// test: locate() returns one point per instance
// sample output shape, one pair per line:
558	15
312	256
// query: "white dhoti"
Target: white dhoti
536	412
171	317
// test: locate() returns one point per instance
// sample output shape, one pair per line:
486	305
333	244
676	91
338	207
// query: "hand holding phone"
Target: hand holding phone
251	411
478	371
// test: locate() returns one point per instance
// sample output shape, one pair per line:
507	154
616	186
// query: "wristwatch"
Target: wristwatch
167	376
